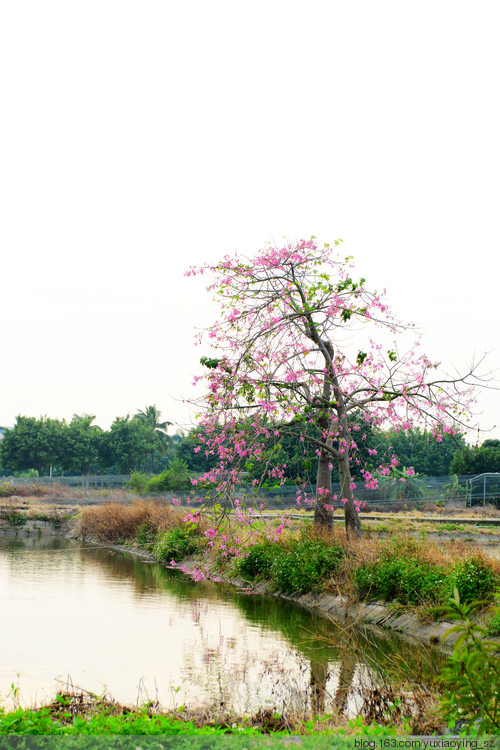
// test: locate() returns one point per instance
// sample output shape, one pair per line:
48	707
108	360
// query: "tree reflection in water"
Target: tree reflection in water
242	651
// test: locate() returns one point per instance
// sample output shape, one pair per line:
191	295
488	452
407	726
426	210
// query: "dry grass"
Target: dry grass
379	705
112	522
22	490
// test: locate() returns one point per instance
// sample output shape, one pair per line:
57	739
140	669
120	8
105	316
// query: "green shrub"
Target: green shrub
405	580
146	536
471	677
474	580
158	483
304	565
258	562
295	567
138	481
174	478
7	489
494	624
15	518
175	544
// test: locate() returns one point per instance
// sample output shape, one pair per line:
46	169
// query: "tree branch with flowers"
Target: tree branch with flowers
297	354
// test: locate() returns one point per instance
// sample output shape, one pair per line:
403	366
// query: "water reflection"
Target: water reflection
113	621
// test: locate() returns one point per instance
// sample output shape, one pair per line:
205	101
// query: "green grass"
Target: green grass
451	527
104	720
42	721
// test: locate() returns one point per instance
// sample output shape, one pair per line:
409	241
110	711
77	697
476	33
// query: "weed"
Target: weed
176	544
474	580
146	536
15	518
471	678
406	580
294	567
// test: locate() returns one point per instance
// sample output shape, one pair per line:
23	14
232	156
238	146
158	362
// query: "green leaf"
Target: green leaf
361	358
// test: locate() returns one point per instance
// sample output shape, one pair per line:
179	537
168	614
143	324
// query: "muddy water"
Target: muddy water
111	622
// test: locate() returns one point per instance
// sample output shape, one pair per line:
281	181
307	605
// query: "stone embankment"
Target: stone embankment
336	607
377	613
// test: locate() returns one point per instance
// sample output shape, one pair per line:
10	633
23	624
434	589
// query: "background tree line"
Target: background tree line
140	443
48	445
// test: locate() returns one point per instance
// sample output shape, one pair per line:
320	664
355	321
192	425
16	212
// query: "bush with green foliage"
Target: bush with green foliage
471	677
294	568
138	481
176	543
404	579
258	562
174	478
15	518
474	580
409	580
305	565
146	536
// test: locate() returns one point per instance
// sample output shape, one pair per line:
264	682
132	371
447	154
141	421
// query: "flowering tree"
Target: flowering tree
286	363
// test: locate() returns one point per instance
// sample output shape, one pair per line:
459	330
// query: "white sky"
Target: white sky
138	138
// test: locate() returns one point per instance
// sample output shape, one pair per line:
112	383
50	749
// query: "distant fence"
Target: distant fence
484	489
459	491
90	481
414	492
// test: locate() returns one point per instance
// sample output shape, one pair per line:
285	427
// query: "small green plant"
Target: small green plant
406	580
146	536
494	623
258	562
175	544
474	580
176	477
15	518
137	481
7	489
451	527
471	677
304	566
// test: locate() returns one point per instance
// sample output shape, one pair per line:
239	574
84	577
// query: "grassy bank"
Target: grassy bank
402	570
80	713
448	580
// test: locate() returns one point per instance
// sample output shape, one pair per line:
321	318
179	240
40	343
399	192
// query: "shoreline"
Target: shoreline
375	614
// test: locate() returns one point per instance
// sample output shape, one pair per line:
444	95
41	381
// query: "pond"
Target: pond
108	621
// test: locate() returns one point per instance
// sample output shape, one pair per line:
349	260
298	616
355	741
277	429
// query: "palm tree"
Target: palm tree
151	416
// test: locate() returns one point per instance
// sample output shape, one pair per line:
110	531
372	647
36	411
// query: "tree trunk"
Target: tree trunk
323	516
319	678
346	676
351	515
